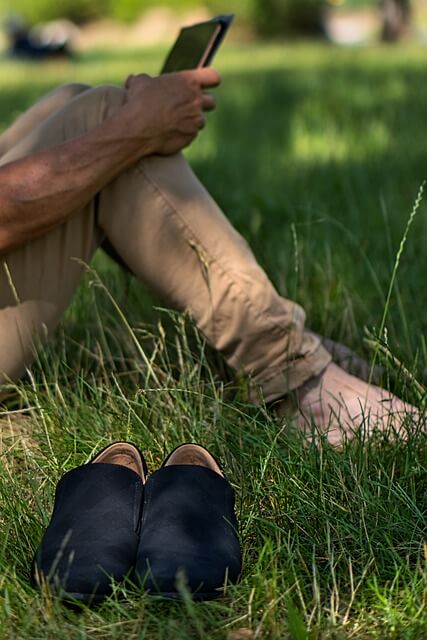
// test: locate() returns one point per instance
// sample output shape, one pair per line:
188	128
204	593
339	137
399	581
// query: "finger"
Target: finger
206	77
201	123
208	102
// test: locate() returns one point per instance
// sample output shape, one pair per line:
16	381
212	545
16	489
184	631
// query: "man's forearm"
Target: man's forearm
42	190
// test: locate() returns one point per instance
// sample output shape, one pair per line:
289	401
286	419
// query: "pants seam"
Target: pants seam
213	259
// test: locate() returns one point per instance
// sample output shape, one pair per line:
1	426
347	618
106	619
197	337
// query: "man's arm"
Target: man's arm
161	115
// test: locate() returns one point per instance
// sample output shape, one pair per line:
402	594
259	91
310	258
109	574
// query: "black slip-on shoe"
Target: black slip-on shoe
189	528
93	534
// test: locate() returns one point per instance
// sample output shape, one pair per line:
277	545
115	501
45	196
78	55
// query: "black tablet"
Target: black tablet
197	44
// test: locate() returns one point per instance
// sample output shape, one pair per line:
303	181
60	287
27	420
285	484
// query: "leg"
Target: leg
41	110
173	236
38	112
37	280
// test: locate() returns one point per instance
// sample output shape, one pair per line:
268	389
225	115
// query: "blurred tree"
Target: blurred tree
299	17
396	17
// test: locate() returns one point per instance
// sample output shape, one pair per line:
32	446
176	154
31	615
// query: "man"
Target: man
86	165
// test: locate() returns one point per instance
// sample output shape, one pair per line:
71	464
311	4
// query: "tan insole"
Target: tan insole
194	454
124	455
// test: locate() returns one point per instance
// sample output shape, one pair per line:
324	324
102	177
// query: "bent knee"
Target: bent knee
74	88
71	90
88	109
109	95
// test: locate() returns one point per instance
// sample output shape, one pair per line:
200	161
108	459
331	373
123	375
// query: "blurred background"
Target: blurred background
143	22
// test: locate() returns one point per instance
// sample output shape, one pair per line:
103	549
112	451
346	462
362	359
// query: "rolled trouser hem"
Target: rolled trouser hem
293	374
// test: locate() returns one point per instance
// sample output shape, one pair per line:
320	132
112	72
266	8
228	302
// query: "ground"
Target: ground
317	156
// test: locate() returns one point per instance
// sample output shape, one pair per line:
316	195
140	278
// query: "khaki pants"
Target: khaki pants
168	230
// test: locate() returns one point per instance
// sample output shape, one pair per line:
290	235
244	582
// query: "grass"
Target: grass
317	156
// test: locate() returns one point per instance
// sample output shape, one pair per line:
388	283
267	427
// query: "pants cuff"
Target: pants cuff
296	371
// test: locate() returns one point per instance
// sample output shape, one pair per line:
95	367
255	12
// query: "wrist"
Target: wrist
133	133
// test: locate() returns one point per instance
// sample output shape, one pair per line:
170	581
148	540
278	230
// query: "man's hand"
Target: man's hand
167	112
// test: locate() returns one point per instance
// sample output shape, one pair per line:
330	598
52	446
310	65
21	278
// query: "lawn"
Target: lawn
317	155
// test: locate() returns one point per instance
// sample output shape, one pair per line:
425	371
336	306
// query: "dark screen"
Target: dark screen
190	46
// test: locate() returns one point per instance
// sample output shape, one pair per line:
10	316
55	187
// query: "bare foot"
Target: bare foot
339	404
